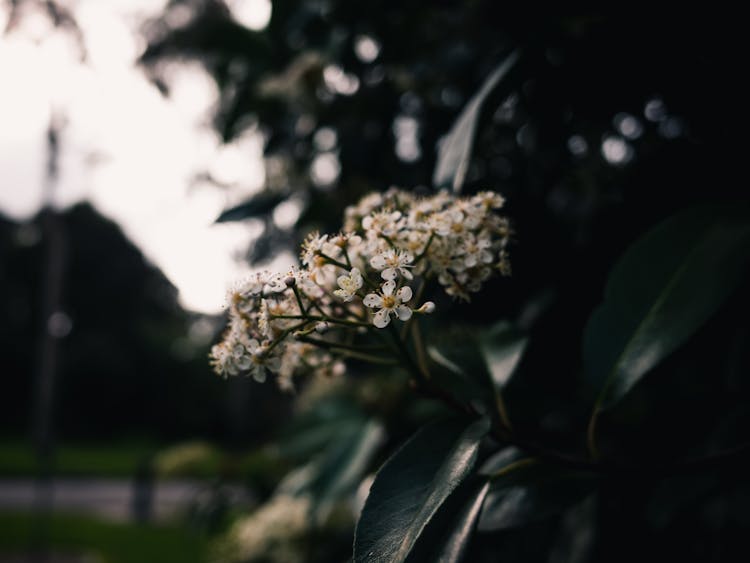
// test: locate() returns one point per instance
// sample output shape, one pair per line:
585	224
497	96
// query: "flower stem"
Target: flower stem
426	248
302	309
591	433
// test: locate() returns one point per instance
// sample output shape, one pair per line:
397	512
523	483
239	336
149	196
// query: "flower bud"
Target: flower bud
321	327
427	308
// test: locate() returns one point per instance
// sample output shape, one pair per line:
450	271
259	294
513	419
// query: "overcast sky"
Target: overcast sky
126	149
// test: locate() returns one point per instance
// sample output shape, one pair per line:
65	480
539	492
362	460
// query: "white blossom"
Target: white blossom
348	285
259	361
457	241
392	262
389	303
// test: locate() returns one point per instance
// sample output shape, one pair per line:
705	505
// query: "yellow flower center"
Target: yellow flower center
389	301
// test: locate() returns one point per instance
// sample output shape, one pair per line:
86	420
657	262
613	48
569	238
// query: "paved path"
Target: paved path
113	499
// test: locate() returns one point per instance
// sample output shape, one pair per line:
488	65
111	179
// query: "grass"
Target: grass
106	460
121	460
110	542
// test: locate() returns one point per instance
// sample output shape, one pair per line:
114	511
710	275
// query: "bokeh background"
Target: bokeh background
153	152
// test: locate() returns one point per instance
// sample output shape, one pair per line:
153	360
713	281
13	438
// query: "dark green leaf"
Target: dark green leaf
336	472
503	346
526	490
412	485
662	290
460	369
310	432
344	465
259	205
448	536
455	150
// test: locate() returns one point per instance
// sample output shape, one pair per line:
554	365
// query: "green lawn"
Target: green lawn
112	543
110	460
187	459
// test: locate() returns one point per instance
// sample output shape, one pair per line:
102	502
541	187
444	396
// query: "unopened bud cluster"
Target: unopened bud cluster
392	247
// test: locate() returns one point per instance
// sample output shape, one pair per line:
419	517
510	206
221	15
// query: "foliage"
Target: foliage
607	372
113	543
427	499
119	459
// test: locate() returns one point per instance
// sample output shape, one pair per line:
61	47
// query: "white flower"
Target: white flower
490	200
392	261
384	222
258	361
261	283
475	250
222	360
275	284
348	284
388	303
311	247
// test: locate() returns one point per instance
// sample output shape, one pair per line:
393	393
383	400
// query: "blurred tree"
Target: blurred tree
133	362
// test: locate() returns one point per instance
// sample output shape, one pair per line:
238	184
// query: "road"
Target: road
114	499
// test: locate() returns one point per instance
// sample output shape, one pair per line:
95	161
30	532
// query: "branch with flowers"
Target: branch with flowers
353	285
360	295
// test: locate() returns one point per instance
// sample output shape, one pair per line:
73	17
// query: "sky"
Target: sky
128	150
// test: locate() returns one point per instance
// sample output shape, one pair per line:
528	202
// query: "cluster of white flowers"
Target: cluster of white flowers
271	533
360	279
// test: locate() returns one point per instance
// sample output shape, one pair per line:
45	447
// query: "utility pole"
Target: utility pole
47	357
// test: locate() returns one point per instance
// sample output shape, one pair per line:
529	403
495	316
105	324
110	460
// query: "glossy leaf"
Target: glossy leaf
344	465
412	486
454	153
448	537
457	541
259	205
503	347
526	490
662	290
338	470
459	368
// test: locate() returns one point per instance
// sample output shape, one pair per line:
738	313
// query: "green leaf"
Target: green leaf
526	490
457	541
448	536
503	347
455	150
412	485
310	432
261	204
344	465
459	368
338	470
661	291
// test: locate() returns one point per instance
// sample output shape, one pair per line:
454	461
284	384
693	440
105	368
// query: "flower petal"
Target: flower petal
388	287
403	312
406	273
381	319
343	294
388	274
404	294
378	262
373	300
259	373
